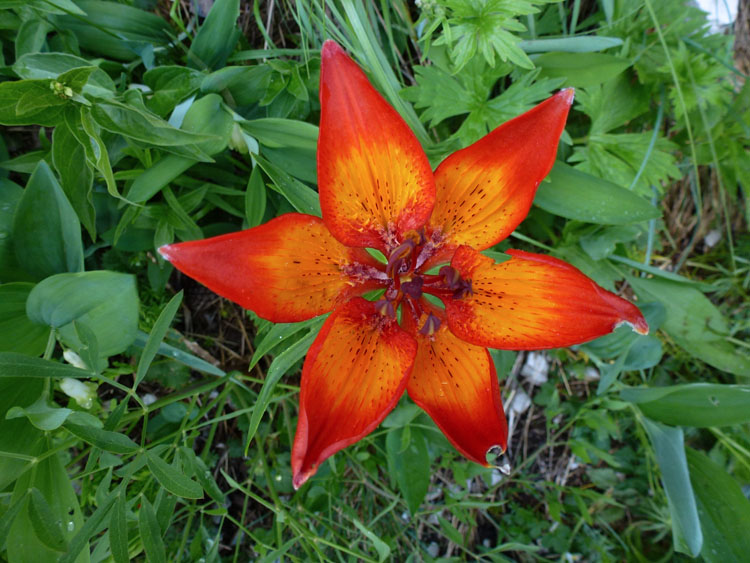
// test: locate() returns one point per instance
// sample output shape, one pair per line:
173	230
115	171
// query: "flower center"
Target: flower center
407	283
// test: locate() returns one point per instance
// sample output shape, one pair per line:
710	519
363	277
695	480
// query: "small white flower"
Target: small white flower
83	392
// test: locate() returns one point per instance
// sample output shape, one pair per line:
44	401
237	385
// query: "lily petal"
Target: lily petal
456	384
289	269
354	374
533	302
485	190
374	179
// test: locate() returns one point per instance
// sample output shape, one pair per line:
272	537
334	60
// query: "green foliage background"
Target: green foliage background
133	124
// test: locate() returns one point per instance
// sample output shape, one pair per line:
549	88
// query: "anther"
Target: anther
430	326
397	261
413	288
385	308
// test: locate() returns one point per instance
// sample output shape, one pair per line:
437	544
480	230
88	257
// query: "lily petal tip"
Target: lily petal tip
166	251
299	479
330	48
568	94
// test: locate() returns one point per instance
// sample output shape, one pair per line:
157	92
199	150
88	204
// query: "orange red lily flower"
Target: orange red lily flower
377	190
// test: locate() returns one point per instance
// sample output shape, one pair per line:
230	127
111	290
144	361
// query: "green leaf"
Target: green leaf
46	526
76	175
694	323
172	478
380	546
10	269
303	198
20	365
278	334
581	69
37	97
693	404
181	356
118	529
140	125
217	36
93	524
54	516
170	85
723	509
105	439
116	31
46	231
576	195
158	332
153	180
31	36
280	365
52	65
41	414
255	198
579	44
11	92
669	447
409	462
283	133
107	302
151	533
17	332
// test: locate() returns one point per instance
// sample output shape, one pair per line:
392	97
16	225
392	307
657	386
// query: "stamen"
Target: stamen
431	325
385	308
451	276
463	290
398	260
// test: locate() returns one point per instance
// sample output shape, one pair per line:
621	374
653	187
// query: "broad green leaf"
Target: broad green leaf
694	323
11	92
10	195
669	447
83	127
20	365
693	404
581	69
170	84
283	133
158	332
17	436
255	198
172	478
576	195
47	526
723	508
7	518
52	482
107	302
115	30
303	198
203	475
51	65
104	439
409	462
580	44
40	96
153	180
31	36
46	231
17	332
76	175
141	125
217	36
41	414
151	533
